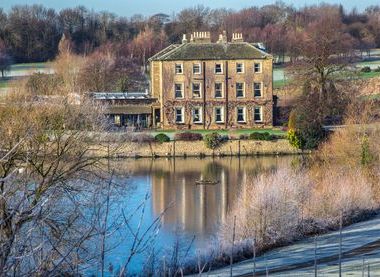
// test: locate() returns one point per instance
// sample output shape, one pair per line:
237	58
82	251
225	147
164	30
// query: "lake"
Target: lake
193	210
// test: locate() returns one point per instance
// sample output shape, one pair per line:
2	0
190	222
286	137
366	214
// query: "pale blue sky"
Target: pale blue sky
149	7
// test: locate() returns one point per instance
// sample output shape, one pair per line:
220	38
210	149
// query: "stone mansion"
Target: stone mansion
200	84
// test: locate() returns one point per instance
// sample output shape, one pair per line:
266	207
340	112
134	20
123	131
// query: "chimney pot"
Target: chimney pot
184	38
237	37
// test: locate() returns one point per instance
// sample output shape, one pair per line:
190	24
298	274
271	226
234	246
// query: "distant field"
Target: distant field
28	66
279	78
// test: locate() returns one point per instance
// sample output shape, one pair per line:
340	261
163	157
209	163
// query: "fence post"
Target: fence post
232	246
363	268
315	257
340	243
254	256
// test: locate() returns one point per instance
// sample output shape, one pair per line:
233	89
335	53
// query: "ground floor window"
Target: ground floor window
258	114
117	120
132	120
240	114
197	115
179	115
219	114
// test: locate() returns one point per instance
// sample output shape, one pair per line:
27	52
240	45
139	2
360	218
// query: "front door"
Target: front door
157	117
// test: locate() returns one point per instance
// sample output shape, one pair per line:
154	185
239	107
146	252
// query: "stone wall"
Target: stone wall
196	148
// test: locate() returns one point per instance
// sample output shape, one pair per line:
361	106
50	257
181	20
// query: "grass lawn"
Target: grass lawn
28	66
3	83
371	97
368	75
277	84
171	133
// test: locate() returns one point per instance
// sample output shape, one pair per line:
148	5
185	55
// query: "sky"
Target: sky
150	7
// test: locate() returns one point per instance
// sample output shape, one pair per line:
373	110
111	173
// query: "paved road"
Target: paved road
360	239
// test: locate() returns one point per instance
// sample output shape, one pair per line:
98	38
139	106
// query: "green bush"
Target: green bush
295	139
366	69
161	138
213	140
261	136
377	69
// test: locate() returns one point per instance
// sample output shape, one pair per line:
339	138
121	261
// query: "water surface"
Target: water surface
195	210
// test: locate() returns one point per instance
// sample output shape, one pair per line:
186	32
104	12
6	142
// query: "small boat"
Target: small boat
206	182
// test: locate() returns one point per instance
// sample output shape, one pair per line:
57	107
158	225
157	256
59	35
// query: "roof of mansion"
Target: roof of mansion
207	50
210	51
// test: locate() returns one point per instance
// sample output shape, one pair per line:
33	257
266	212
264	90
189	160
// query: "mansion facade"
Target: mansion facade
204	85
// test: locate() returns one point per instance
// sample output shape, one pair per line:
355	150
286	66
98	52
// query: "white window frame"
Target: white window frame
182	115
182	91
260	65
221	114
261	114
242	68
175	68
236	89
221	90
200	69
200	115
261	89
221	68
200	90
244	115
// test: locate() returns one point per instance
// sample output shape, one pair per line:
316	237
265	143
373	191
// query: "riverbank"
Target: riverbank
194	149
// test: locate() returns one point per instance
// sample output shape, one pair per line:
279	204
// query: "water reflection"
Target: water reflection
198	209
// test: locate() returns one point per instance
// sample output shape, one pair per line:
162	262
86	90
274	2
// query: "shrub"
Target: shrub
292	120
366	155
188	136
224	138
142	138
366	69
243	137
261	136
213	140
295	139
377	69
161	138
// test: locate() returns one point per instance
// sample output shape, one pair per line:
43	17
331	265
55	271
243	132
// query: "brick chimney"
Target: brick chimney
201	37
222	37
237	37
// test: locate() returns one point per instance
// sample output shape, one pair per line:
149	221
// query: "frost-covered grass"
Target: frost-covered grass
281	207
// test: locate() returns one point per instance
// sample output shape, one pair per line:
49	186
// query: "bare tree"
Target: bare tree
47	163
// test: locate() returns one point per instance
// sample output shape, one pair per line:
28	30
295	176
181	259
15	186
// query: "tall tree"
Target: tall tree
5	59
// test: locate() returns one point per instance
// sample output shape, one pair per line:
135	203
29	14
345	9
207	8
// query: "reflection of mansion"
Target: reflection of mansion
201	84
